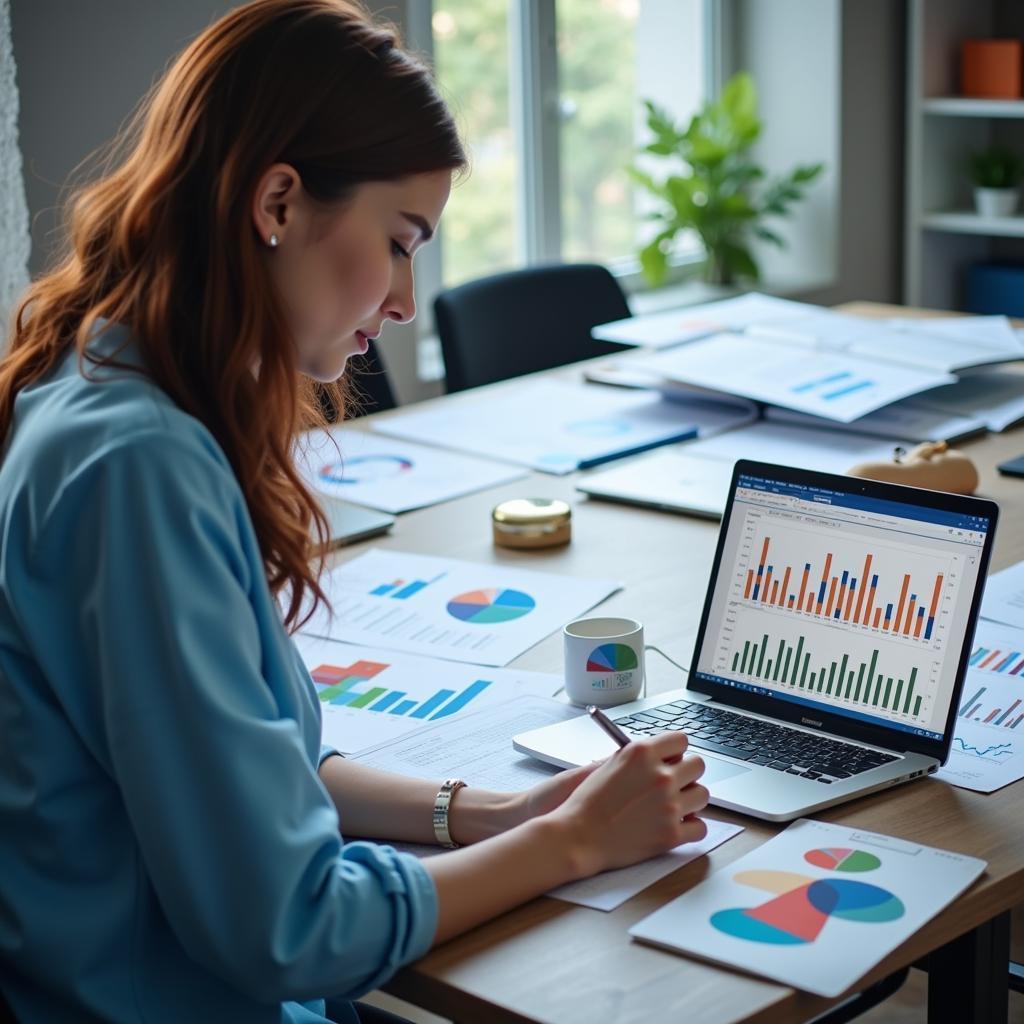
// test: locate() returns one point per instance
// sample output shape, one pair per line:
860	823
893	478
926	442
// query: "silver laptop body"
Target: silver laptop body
847	662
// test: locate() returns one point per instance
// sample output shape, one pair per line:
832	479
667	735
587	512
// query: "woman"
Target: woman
171	846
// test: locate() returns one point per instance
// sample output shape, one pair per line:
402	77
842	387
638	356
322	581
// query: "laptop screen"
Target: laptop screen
843	602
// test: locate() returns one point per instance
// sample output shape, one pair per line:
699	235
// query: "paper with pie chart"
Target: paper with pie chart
445	608
391	475
815	907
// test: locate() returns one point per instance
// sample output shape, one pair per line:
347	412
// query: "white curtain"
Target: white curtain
15	242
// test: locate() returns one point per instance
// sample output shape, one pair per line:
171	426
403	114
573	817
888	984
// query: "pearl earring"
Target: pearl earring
272	241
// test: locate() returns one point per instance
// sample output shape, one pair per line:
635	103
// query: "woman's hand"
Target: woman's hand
638	803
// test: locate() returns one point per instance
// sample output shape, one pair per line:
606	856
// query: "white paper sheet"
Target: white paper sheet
485	614
391	475
988	740
833	385
996	398
551	426
827	451
927	344
477	746
675	326
668	479
912	418
1004	596
815	907
371	696
611	889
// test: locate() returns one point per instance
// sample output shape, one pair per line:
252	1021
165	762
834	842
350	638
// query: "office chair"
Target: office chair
369	388
525	320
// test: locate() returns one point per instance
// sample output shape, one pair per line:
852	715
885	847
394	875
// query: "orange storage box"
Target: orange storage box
991	69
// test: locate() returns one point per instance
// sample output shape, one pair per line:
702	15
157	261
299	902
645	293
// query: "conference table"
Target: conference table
551	961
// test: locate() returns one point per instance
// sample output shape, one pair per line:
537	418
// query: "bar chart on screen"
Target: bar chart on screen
828	572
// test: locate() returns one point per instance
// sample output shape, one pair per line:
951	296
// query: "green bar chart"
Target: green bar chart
795	666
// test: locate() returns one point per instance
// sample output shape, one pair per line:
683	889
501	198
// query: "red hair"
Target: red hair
165	244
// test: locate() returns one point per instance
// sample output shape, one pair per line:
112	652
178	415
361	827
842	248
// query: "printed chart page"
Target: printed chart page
476	746
369	696
445	608
837	602
675	326
834	385
988	742
551	426
391	475
816	907
1004	596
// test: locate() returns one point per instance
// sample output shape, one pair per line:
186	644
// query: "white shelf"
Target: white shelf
964	222
960	106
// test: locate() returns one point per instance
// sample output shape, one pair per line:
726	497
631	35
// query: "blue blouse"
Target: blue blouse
167	850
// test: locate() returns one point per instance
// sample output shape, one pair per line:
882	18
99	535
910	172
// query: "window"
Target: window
548	96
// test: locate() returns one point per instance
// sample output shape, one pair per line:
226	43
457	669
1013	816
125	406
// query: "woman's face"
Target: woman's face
342	273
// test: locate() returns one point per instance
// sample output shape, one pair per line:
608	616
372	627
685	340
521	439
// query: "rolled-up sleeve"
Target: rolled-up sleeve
236	834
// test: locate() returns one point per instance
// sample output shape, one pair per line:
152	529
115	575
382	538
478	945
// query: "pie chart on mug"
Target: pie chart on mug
491	605
612	658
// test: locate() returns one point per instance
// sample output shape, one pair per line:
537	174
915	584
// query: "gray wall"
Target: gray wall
83	65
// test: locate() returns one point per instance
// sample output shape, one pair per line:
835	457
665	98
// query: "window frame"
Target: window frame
535	113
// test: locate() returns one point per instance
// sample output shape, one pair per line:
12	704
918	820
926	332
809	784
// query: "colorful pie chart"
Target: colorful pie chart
490	606
362	469
612	658
838	859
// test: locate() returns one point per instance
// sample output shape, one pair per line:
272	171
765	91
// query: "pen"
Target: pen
621	739
615	731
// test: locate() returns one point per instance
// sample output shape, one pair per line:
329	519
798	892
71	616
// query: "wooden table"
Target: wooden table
554	962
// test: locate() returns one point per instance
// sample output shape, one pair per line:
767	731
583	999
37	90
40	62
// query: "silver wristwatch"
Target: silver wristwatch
441	806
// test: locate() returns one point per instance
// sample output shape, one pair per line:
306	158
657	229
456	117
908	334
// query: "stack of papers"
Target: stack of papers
1004	596
832	366
558	427
676	326
783	370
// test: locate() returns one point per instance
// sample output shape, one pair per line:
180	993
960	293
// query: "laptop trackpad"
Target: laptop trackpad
718	771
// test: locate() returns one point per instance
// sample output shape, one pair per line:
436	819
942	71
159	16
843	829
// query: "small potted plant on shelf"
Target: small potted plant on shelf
996	174
713	186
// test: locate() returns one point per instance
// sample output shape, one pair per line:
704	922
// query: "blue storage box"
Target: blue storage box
994	288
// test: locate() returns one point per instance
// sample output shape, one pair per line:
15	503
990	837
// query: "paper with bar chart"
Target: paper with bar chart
988	743
370	696
393	476
849	607
485	614
815	907
834	385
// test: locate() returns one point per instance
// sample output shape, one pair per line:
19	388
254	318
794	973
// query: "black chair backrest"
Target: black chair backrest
370	384
525	320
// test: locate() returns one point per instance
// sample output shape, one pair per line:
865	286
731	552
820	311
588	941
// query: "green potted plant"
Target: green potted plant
996	174
714	187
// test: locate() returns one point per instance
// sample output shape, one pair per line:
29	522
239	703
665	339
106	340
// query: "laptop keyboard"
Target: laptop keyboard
792	751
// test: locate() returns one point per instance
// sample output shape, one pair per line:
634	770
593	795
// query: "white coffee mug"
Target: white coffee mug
604	661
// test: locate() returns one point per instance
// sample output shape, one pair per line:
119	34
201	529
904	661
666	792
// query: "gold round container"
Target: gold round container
532	523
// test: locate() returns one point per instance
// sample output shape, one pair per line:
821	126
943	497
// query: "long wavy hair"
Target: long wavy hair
164	242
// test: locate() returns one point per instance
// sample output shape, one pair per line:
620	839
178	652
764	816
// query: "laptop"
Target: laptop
351	523
832	648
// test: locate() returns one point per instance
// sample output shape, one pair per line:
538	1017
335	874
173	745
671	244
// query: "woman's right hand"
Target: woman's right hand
638	803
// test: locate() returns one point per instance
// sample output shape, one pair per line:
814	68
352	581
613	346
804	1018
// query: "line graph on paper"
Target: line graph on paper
993	752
